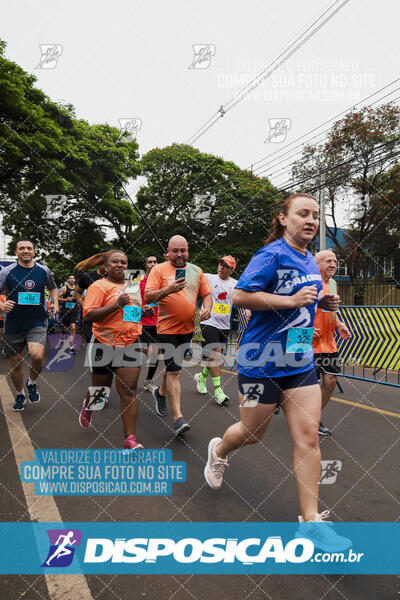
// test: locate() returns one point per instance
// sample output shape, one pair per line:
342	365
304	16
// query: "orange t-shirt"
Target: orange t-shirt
3	298
177	311
325	322
112	330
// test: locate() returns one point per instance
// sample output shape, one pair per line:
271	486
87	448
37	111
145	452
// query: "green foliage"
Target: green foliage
218	207
45	151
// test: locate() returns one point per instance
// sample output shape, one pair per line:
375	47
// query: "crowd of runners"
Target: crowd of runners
287	356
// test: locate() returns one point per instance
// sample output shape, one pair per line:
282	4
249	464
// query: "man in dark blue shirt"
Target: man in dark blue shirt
24	283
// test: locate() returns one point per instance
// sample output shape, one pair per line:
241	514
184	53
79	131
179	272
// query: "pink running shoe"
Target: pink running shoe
85	416
130	443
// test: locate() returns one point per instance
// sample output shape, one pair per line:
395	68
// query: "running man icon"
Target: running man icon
97	399
62	353
252	394
62	550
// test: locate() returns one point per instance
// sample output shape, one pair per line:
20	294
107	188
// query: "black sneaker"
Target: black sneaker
160	402
72	350
19	403
180	426
322	430
33	394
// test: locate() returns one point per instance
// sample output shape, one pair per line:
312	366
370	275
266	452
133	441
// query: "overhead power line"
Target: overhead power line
385	156
283	57
342	177
277	160
287	168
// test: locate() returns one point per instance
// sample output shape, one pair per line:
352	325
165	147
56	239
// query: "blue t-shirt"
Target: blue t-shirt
277	269
16	281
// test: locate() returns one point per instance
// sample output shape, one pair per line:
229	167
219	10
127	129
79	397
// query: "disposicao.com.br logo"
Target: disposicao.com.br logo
193	550
136	547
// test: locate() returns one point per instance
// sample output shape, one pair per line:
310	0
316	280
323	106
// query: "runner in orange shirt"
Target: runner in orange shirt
114	308
175	285
326	356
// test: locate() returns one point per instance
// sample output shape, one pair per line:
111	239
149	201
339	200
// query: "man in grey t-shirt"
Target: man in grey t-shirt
216	329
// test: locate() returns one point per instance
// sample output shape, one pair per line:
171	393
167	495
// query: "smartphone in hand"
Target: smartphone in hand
180	273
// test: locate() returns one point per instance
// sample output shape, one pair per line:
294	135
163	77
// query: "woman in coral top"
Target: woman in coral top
114	309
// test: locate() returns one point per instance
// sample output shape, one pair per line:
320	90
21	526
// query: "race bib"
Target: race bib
299	339
221	309
70	305
132	313
29	298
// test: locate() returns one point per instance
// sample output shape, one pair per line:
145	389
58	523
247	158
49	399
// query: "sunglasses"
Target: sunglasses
223	264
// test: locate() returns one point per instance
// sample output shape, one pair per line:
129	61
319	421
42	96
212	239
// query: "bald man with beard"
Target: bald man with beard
326	356
175	285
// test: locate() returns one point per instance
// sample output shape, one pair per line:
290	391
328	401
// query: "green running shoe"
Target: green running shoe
220	396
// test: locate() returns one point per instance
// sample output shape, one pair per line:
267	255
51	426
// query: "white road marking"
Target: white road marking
41	508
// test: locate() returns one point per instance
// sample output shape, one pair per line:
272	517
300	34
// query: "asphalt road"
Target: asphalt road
259	485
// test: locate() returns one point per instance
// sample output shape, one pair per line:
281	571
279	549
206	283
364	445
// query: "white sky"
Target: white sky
130	59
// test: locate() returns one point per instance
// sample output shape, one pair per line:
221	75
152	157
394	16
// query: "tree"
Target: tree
46	151
220	208
357	158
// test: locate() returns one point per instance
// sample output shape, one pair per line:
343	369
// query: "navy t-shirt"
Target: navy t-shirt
277	269
15	281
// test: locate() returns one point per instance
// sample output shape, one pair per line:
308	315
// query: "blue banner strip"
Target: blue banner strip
214	548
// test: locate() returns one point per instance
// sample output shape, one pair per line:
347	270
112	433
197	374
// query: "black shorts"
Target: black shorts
212	335
69	316
175	348
103	359
269	389
327	363
86	330
149	335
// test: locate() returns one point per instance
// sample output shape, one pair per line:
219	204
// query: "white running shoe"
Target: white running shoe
215	467
201	383
149	386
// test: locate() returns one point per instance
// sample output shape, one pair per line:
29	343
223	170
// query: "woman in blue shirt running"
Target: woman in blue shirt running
281	286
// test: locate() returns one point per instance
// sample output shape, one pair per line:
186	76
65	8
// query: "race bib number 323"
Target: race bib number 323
299	339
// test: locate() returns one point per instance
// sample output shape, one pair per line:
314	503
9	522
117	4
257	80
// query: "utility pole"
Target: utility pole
322	222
